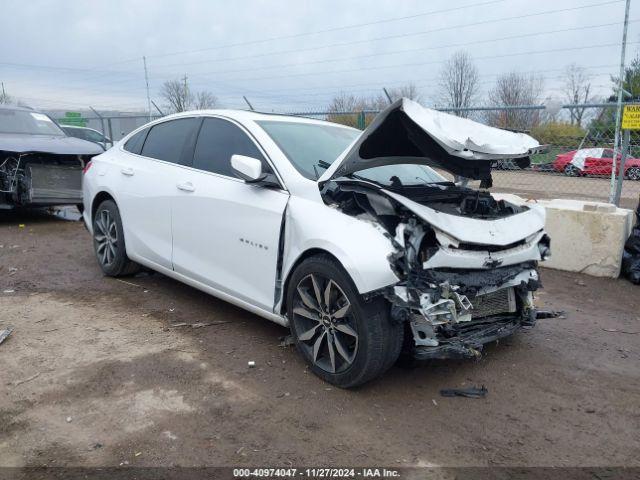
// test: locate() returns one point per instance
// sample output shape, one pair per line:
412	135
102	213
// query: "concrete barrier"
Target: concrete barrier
586	237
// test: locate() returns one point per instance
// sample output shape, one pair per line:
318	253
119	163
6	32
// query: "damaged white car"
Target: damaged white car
348	237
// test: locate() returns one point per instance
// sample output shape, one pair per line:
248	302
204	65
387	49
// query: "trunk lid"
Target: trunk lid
405	132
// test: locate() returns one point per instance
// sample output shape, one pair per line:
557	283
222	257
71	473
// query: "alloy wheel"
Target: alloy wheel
106	237
633	173
324	323
571	170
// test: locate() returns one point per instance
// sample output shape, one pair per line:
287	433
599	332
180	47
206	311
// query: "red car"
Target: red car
594	161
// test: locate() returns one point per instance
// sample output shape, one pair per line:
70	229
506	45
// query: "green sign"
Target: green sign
73	119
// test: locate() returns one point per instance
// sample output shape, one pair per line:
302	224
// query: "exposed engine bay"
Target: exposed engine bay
467	263
40	179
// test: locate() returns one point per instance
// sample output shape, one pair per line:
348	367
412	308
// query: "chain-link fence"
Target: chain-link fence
577	163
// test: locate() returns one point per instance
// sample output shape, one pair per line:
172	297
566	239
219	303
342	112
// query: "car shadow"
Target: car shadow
40	215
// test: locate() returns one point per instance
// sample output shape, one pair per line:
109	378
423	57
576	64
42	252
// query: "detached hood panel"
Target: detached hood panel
23	143
499	232
406	132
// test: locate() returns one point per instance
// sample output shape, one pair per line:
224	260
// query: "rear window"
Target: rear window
167	140
134	144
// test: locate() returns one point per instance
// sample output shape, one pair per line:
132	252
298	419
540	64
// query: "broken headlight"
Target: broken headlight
544	245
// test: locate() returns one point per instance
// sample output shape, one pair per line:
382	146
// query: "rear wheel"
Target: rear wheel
633	173
346	340
108	241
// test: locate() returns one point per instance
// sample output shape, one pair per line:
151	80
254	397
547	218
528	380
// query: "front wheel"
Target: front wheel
572	171
345	339
108	241
633	173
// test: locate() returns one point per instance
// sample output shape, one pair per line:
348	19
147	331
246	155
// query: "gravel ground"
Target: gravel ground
95	375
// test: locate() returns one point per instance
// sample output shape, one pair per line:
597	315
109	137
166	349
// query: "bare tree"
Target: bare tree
577	89
5	98
177	95
514	89
205	100
180	98
346	102
458	83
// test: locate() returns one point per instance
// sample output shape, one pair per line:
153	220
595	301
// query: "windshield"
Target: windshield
32	123
312	147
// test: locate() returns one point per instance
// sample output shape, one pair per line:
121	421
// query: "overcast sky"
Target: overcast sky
294	55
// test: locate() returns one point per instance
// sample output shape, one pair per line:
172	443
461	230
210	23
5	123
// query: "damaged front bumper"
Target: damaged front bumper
452	314
466	340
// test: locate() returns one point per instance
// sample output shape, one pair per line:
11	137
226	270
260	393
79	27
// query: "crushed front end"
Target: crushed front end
467	263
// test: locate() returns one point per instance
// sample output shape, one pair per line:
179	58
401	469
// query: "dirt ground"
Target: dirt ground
95	375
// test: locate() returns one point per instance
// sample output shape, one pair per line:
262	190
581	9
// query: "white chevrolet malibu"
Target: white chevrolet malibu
349	238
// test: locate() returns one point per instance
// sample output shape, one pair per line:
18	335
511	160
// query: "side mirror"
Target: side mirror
247	168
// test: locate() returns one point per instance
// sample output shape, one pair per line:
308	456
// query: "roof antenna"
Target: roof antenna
250	106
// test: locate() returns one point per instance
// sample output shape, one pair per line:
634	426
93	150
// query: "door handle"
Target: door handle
186	187
127	171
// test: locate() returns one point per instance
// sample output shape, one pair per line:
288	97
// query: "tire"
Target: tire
633	173
108	242
351	342
571	171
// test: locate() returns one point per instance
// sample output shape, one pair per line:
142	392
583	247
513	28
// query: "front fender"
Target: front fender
359	245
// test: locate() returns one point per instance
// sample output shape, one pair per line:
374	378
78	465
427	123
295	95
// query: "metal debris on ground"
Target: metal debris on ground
28	379
542	314
615	330
251	364
471	392
4	333
208	324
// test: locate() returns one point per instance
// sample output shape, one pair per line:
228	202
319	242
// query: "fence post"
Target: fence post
361	121
625	148
110	130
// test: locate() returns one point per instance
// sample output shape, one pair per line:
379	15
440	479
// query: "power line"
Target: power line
401	35
332	29
419	49
417	64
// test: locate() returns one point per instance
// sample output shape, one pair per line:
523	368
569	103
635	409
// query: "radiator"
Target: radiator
494	303
54	184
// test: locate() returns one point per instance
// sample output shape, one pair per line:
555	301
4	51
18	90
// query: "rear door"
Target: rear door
147	183
226	232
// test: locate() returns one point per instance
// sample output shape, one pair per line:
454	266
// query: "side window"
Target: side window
94	136
607	153
134	144
166	140
218	141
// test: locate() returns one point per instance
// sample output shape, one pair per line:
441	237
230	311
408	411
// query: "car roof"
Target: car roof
251	115
15	107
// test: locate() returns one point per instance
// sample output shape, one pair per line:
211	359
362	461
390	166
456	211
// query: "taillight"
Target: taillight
86	167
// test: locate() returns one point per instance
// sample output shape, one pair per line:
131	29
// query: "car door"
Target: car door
226	232
147	183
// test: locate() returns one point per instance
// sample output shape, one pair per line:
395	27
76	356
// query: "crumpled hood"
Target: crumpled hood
405	132
22	143
499	232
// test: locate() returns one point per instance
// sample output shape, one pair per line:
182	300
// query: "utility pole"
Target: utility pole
616	141
146	79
